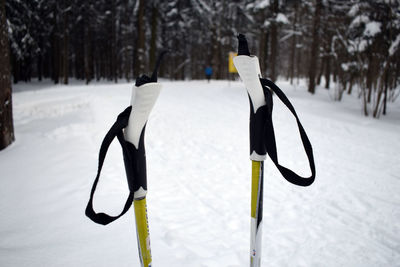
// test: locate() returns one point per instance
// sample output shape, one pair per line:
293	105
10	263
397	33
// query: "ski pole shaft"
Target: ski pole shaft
257	181
143	233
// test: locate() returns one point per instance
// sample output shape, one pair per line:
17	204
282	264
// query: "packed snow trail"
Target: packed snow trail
198	180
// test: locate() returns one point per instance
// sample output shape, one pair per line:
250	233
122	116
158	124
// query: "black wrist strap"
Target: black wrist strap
115	131
270	142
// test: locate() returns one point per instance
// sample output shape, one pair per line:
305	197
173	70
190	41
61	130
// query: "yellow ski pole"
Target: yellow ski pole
130	130
249	71
257	182
144	96
262	139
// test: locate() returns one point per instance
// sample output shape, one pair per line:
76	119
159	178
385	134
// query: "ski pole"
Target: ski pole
249	72
144	96
262	139
130	130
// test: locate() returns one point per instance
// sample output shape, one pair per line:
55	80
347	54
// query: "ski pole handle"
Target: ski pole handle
143	100
262	134
144	96
249	71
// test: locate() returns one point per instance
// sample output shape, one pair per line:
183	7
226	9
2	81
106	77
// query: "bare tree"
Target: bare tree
6	121
314	47
139	46
274	41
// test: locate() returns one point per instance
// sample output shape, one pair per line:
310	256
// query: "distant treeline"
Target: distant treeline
351	42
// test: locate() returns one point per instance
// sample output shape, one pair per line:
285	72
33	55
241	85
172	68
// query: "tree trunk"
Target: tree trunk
40	59
335	71
220	60
262	49
350	84
328	71
375	113
274	42
299	63
88	53
153	41
299	48
266	54
139	64
55	48
6	119
365	104
292	58
66	49
385	92
274	51
293	46
47	63
215	53
321	71
15	68
113	54
314	47
370	75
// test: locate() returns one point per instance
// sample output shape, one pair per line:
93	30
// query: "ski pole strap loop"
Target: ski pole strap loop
270	142
115	131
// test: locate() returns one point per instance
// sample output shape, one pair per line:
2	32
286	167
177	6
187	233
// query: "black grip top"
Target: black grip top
243	49
153	79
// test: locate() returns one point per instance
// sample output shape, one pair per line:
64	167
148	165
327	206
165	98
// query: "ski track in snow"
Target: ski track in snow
199	180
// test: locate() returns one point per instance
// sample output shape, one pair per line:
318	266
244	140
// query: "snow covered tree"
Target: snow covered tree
372	44
22	18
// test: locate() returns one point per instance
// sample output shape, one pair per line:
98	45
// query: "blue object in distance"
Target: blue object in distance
209	71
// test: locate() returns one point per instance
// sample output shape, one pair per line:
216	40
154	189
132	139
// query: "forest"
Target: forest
338	44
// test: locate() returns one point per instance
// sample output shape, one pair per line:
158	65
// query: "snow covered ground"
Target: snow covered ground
199	180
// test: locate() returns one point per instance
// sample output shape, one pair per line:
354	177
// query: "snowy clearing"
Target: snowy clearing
199	180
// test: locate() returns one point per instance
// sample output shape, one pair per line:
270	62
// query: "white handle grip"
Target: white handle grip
143	100
249	71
